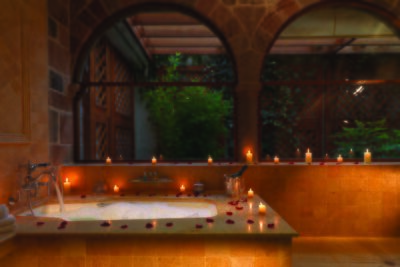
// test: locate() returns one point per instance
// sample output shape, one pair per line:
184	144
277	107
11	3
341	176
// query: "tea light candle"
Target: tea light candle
308	156
250	193
108	160
67	186
249	157
182	188
367	156
153	160
210	160
276	160
262	209
340	159
116	189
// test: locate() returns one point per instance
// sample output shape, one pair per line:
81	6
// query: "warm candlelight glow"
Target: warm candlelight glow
210	160
308	156
249	157
262	209
116	189
276	160
67	186
340	159
182	188
108	160
154	160
367	156
250	193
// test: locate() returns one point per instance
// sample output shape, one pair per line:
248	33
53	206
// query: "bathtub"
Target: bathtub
130	209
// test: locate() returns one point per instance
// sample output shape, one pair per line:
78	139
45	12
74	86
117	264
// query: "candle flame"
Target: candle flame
66	180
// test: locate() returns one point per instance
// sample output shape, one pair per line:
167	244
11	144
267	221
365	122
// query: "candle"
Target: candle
250	193
367	156
351	153
154	160
116	189
210	160
182	188
298	153
67	186
276	160
108	160
262	209
308	156
249	157
340	159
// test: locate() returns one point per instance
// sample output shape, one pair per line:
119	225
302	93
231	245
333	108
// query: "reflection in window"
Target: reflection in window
156	84
328	86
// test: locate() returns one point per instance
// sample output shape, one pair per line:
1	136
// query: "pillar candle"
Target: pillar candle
250	193
108	160
308	157
249	157
262	209
182	188
340	159
367	156
67	186
154	160
116	189
210	160
276	160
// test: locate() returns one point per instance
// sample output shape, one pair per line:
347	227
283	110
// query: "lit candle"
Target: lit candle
340	159
182	188
276	160
262	209
249	157
67	186
116	189
250	193
108	160
367	156
308	156
154	160
210	160
351	153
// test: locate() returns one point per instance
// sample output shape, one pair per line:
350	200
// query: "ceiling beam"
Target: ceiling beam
182	42
187	50
177	31
162	19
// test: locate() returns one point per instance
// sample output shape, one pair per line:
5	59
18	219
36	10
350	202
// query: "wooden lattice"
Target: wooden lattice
100	72
101	141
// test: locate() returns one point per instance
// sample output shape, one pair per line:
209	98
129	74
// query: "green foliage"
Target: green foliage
189	121
376	136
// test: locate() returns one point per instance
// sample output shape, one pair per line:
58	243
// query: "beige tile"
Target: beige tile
215	261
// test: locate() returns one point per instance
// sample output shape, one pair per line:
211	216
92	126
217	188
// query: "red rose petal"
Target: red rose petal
271	225
356	162
291	163
179	194
199	226
209	220
83	196
124	226
149	225
229	213
189	195
229	221
39	223
249	221
169	224
105	224
322	163
239	208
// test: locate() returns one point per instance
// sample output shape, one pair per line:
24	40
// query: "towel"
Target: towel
7	229
9	220
3	211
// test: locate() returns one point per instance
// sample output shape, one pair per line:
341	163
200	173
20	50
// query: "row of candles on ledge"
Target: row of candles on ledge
249	158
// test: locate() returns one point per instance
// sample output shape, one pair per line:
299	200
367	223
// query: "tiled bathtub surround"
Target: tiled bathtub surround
317	200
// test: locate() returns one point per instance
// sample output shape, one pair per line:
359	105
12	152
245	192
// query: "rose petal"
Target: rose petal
239	208
124	226
39	223
291	163
229	213
179	194
189	195
209	220
199	226
356	162
229	221
105	224
149	225
271	225
249	221
322	163
122	195
64	223
83	196
169	224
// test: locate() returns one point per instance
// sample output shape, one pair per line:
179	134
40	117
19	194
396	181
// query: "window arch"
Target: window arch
141	79
330	84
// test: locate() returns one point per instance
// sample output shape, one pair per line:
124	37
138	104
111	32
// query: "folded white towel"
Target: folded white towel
7	221
3	211
7	229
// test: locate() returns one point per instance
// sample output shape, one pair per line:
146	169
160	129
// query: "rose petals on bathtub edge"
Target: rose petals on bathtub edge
105	224
149	225
229	221
124	226
169	224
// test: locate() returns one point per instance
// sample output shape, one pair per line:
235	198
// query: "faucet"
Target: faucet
32	183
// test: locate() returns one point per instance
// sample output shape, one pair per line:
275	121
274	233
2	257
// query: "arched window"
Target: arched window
156	84
330	84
